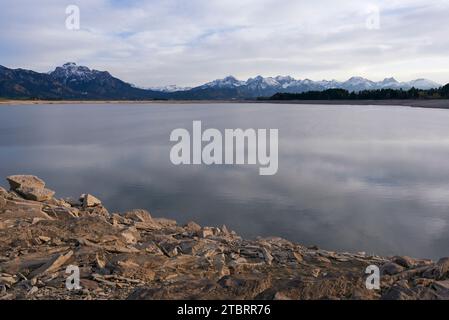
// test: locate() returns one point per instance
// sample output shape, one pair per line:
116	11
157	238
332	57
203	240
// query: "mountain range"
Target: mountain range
71	81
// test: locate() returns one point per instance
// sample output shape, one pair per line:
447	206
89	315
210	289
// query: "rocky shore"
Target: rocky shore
136	256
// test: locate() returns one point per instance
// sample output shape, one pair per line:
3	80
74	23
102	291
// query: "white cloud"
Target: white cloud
172	41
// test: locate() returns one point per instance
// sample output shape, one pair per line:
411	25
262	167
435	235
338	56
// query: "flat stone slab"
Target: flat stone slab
35	194
19	181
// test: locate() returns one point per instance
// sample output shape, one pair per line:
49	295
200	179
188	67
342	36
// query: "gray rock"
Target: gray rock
442	285
62	213
89	200
190	247
206	232
298	257
2	202
193	227
30	187
194	289
33	291
399	293
225	230
441	289
244	286
267	256
166	223
439	271
131	235
443	264
404	261
219	262
52	265
73	202
391	268
139	215
7	279
35	194
170	248
18	181
142	220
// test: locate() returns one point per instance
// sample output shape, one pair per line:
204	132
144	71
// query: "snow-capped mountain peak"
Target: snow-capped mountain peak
265	86
71	68
423	84
71	72
358	84
260	82
390	83
358	80
284	79
390	80
228	82
329	84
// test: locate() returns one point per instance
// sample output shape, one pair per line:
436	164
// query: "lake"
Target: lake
352	178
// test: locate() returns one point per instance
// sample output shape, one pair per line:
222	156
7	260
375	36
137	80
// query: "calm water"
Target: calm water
372	179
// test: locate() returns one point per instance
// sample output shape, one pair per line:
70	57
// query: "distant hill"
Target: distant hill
71	81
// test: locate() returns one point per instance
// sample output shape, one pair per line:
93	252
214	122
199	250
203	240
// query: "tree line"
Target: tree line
380	94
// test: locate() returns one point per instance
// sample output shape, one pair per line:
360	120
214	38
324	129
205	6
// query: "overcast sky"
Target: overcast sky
162	42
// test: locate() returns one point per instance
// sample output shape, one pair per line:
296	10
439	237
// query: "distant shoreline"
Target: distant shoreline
435	104
38	102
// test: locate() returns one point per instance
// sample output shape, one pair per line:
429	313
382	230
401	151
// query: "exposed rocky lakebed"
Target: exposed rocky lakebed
133	255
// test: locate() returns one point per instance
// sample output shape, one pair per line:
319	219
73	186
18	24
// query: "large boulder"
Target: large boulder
439	271
35	194
30	187
25	181
391	268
